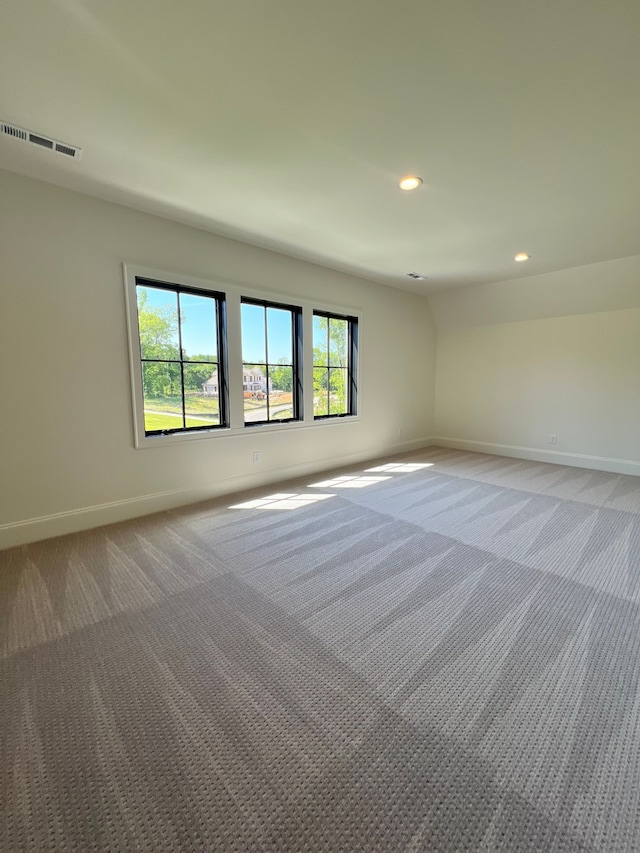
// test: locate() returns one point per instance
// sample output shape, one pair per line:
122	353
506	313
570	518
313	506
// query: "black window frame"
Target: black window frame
222	357
352	364
296	365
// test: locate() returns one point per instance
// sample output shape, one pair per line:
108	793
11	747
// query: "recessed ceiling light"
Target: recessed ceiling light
410	182
522	256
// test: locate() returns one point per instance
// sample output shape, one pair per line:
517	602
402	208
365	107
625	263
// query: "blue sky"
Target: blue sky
199	326
278	332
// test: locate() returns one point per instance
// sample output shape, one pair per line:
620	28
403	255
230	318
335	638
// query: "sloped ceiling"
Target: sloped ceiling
288	123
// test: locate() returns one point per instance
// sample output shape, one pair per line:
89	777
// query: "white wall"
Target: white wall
510	373
67	457
607	286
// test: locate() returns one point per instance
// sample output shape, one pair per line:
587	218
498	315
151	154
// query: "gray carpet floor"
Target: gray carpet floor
438	652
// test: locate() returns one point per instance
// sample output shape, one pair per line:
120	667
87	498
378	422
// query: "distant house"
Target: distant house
211	387
254	383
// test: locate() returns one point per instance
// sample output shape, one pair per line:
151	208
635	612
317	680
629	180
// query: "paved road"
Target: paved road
260	414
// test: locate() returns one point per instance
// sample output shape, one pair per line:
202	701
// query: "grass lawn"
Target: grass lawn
198	403
153	421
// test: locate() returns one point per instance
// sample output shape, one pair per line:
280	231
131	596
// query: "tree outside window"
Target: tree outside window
179	332
334	365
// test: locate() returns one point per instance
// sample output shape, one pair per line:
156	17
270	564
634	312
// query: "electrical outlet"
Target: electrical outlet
553	438
257	456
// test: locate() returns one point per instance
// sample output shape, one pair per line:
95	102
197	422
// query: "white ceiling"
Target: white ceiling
288	123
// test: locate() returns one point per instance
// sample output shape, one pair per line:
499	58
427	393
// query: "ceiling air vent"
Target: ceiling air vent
17	132
41	140
69	150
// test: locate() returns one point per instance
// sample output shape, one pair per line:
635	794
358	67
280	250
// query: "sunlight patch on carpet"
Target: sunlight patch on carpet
282	500
400	467
354	482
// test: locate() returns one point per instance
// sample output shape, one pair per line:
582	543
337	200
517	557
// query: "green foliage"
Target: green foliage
338	343
330	359
196	404
281	378
337	391
161	380
158	328
195	374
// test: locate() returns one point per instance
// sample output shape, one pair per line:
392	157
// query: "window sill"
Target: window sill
155	441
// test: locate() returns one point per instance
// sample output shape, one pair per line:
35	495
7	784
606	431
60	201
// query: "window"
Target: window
178	347
335	356
271	376
181	335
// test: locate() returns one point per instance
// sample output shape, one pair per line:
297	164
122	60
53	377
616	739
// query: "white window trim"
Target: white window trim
233	294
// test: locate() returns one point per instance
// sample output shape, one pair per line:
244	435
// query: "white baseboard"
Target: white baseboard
557	457
406	446
84	518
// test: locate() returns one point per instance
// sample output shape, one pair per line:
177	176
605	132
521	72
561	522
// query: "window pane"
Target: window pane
253	333
254	379
285	413
201	395
279	336
281	379
158	322
162	396
198	327
337	391
320	391
281	393
210	386
269	382
254	389
255	408
183	379
335	350
320	334
338	342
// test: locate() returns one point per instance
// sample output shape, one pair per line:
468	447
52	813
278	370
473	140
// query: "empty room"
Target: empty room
320	458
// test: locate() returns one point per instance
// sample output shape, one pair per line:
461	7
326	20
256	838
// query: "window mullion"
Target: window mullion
182	390
328	366
181	355
268	391
221	359
266	365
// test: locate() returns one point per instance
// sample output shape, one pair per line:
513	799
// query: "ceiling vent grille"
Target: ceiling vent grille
40	140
